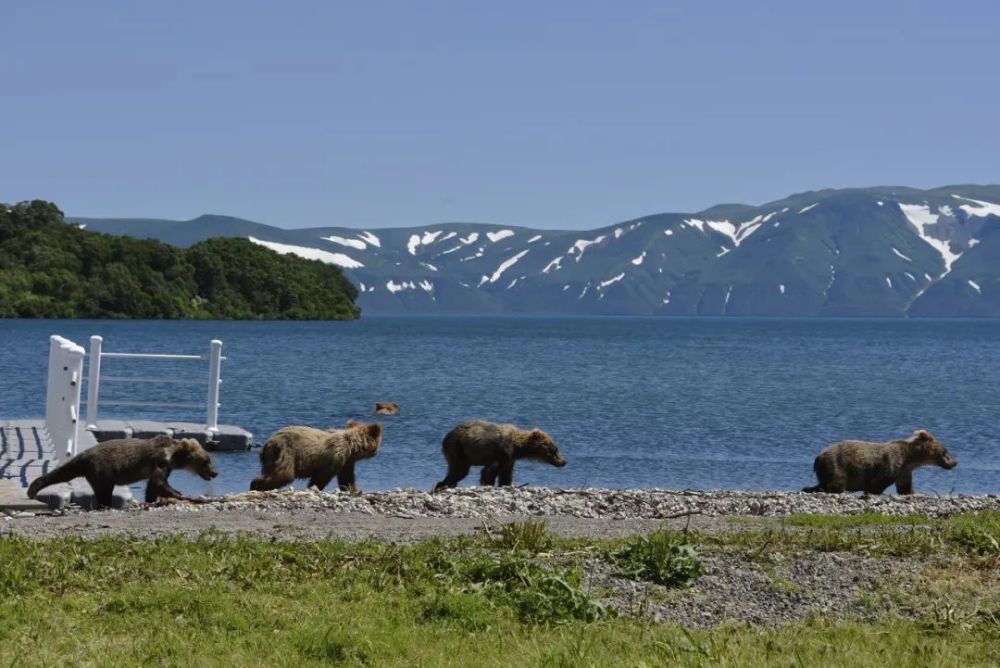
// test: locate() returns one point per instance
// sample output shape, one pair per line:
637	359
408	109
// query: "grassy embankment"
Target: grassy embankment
513	597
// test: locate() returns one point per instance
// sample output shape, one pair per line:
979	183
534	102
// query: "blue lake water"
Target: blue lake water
632	402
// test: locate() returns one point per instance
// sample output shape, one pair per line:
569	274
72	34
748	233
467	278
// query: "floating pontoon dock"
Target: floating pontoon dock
29	448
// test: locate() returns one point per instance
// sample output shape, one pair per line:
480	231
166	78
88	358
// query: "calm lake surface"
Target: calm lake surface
633	402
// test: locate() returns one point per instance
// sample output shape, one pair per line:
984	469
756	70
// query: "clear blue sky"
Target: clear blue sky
550	114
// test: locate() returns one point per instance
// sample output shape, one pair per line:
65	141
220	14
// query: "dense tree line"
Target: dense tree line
52	269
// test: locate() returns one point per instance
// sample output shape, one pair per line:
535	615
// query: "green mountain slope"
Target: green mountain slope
885	251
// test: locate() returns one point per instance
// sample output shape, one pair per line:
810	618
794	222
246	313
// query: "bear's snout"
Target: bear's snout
559	461
949	463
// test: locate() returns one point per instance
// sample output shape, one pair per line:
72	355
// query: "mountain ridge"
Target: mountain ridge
883	251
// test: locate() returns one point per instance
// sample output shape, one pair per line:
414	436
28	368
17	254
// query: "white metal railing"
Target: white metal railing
62	395
211	405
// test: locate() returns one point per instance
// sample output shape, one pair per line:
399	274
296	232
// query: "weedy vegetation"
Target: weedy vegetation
515	596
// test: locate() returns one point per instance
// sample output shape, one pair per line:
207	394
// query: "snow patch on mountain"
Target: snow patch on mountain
499	235
580	245
981	209
479	253
534	238
737	233
921	217
394	287
471	239
808	208
308	253
619	231
554	264
505	265
370	239
350	243
612	280
894	250
412	244
638	260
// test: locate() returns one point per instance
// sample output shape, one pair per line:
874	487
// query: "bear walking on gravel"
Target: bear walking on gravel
495	447
124	461
317	454
859	466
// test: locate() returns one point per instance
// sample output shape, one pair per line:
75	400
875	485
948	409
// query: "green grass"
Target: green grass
662	557
866	519
512	598
975	536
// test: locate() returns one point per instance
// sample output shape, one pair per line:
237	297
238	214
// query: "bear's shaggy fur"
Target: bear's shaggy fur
859	466
386	408
495	447
317	454
128	460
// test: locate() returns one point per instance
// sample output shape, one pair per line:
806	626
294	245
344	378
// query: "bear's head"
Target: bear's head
928	450
190	455
368	438
383	408
540	447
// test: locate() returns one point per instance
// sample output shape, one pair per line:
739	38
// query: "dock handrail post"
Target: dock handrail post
214	372
62	400
93	381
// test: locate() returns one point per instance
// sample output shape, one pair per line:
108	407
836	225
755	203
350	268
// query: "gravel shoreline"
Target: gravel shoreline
408	515
486	502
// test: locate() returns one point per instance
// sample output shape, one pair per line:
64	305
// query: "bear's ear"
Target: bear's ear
921	435
182	455
374	431
351	423
162	441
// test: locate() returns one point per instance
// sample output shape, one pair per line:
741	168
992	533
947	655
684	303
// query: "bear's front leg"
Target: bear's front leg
347	481
904	483
507	475
488	476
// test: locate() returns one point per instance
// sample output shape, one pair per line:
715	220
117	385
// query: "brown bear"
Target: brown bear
125	461
317	454
386	408
495	447
859	466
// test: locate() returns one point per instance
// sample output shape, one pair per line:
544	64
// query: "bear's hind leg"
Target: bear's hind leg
320	480
263	483
456	472
103	492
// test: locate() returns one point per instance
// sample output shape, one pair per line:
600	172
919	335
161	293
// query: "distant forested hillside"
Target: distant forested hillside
53	269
